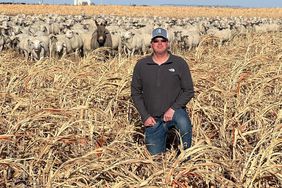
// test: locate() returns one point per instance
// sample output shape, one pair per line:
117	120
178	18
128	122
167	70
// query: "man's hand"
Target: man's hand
168	115
150	121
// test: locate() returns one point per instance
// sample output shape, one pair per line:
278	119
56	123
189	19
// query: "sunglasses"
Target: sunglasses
162	40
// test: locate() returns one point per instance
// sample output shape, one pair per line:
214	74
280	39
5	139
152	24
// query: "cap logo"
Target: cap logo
159	31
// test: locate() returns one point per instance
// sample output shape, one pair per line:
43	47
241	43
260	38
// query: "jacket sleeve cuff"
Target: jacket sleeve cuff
144	118
174	107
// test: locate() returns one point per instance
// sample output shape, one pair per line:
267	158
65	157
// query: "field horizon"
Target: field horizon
142	11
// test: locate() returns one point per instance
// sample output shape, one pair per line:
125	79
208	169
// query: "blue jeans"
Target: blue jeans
155	136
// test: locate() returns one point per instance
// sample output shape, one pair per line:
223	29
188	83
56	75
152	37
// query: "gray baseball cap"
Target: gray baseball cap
159	32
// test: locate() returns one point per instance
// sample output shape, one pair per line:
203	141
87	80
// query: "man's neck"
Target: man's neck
160	58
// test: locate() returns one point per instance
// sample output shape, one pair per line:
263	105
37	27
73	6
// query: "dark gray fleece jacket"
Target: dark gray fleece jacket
155	88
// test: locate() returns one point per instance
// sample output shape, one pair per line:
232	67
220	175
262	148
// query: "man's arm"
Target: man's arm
137	93
186	86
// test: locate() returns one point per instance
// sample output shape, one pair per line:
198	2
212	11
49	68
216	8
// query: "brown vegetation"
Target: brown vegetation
164	11
68	123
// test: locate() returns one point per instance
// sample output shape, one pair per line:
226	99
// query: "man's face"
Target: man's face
159	45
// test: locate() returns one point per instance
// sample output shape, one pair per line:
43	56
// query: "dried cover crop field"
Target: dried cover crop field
72	124
178	12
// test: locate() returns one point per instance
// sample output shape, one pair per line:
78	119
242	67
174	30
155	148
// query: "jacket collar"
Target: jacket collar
169	61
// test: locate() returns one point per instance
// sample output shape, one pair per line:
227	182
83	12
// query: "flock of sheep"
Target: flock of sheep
40	36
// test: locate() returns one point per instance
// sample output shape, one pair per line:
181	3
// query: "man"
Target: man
161	87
